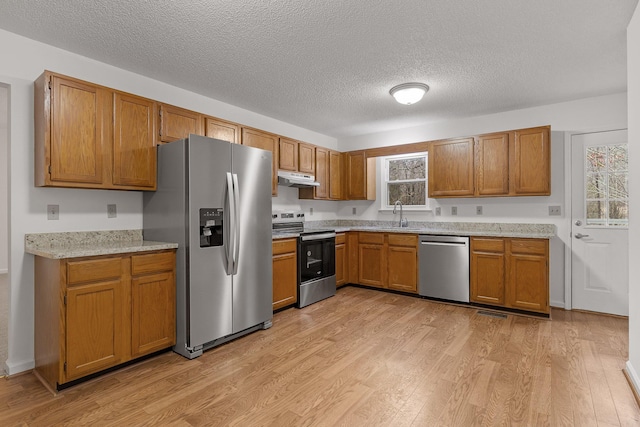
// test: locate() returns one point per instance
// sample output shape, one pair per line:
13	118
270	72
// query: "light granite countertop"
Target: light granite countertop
90	243
532	231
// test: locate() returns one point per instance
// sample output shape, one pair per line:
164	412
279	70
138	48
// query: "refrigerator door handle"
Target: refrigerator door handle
236	244
228	245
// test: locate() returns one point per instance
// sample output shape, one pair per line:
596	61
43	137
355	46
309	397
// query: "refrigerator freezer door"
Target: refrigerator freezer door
252	285
209	290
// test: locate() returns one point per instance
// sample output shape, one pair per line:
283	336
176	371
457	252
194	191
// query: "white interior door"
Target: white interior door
599	215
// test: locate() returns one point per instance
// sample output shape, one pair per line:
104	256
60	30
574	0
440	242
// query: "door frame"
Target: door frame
568	182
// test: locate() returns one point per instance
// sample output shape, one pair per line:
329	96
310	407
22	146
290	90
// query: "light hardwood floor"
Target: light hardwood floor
364	358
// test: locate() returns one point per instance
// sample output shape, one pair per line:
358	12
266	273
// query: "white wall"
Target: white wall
4	179
633	87
23	61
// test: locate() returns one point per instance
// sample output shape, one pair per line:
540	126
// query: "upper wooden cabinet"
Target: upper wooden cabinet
178	123
335	175
222	129
306	158
492	165
266	141
513	163
322	173
531	162
451	168
288	155
89	136
360	176
134	158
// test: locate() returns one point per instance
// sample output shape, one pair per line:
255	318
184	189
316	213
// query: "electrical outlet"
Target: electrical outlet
310	211
353	211
53	212
555	210
112	211
478	210
438	211
454	210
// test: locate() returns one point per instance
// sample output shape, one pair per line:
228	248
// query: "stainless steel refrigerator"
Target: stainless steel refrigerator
214	199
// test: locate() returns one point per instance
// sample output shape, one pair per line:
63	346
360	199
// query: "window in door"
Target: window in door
606	186
405	179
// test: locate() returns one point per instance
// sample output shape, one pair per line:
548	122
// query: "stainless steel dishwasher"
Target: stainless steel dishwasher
444	267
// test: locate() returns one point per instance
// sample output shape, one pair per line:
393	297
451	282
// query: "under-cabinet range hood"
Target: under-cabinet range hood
296	179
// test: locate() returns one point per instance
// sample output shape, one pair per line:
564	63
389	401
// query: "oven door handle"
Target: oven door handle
318	237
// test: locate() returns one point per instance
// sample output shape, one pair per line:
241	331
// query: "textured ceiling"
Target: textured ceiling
328	66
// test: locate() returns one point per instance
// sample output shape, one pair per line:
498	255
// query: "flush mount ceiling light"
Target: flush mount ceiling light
409	93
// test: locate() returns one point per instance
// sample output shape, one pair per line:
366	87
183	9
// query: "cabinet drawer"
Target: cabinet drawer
529	246
147	263
340	238
284	246
410	240
487	245
375	238
93	270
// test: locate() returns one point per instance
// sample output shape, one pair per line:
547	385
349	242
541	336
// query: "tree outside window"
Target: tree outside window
606	185
405	179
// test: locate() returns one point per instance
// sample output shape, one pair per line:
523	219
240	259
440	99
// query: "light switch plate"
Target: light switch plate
454	210
438	211
478	210
353	211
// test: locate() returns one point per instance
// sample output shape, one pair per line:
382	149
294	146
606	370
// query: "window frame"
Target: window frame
607	221
384	181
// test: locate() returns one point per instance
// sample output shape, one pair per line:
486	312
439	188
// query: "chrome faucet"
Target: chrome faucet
403	221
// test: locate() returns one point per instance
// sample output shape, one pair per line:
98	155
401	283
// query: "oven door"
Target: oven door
316	257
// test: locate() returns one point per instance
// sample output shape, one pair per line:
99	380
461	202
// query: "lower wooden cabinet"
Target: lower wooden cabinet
342	260
285	273
388	260
402	262
511	273
95	313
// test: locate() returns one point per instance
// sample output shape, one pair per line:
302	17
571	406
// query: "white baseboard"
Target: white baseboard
16	368
632	376
558	304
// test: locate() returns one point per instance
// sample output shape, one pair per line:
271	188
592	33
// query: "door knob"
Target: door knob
578	222
580	235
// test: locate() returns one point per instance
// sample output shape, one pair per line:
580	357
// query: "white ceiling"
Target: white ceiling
328	65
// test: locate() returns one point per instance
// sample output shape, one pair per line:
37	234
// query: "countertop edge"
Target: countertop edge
126	247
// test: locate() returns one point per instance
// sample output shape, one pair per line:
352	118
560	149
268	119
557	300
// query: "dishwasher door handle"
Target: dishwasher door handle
444	243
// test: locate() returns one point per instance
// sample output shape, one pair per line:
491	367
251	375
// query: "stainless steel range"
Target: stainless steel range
316	257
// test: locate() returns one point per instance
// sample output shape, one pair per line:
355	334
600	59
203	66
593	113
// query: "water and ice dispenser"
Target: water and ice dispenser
211	224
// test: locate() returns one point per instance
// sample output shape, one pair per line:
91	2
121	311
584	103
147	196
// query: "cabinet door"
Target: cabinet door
451	168
531	164
335	175
306	158
487	271
95	328
342	271
492	165
288	155
372	265
322	173
79	114
356	175
265	141
134	145
223	130
403	268
178	123
153	313
528	272
285	280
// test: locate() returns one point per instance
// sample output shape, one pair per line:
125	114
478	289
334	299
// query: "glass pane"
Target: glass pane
596	157
596	184
618	158
618	186
596	212
618	212
402	169
409	193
